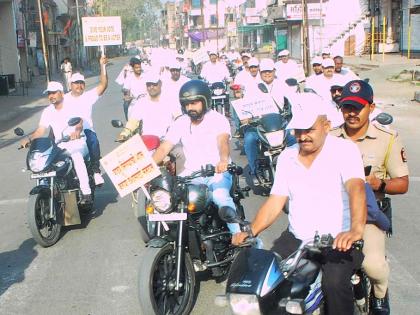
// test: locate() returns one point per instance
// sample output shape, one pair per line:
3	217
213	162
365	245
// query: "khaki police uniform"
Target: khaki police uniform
374	146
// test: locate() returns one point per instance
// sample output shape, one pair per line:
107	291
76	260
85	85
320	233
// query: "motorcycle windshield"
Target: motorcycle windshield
273	122
40	154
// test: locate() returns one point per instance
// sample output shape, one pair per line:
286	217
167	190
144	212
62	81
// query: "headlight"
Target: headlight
296	306
244	304
275	138
218	92
161	200
38	161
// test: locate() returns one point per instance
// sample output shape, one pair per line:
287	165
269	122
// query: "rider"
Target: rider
214	70
381	149
82	103
56	116
133	86
322	178
204	135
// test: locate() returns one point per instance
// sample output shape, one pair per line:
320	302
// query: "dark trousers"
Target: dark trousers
337	269
126	104
94	149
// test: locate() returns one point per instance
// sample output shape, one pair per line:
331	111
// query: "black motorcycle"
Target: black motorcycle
262	282
190	238
55	201
220	97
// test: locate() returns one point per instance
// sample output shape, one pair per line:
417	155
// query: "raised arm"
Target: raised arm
103	77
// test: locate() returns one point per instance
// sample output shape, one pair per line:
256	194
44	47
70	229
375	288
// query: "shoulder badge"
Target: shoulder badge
403	155
385	129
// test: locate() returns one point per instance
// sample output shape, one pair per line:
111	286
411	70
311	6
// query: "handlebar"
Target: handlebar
209	171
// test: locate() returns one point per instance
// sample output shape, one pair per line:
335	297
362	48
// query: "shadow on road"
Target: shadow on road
14	263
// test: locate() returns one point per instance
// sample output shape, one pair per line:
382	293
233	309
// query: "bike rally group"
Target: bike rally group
316	146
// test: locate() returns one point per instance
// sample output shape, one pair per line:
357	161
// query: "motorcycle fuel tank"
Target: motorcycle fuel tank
254	271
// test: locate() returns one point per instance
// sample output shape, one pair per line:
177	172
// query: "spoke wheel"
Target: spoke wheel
157	279
45	230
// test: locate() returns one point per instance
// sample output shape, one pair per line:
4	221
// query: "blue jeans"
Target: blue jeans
219	186
251	142
94	149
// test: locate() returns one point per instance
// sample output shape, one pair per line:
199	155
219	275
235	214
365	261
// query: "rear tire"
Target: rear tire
156	285
45	231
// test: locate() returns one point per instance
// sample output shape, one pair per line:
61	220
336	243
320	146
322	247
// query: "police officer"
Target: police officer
381	148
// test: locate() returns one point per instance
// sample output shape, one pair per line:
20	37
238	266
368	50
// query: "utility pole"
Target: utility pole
305	41
44	46
202	23
217	25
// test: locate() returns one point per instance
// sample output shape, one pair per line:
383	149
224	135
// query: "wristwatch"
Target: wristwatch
381	188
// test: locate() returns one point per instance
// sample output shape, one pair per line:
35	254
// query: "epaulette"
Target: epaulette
385	129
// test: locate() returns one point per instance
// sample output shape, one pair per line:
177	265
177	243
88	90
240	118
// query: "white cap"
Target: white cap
326	51
179	56
317	60
54	86
328	62
212	52
306	109
245	54
151	77
283	52
77	77
174	64
253	62
266	64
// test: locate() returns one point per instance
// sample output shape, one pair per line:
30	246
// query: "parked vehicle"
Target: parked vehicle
262	282
55	199
190	238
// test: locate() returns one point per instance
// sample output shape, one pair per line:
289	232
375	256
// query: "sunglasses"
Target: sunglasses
150	84
333	90
79	82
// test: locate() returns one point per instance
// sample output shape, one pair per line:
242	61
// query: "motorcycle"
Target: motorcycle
190	238
55	200
219	97
262	282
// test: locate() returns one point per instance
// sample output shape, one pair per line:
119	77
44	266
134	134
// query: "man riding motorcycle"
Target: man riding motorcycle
56	116
204	135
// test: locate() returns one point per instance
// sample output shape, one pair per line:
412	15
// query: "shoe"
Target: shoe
380	306
99	180
86	199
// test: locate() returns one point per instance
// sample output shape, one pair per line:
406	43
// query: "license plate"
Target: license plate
42	175
168	217
218	97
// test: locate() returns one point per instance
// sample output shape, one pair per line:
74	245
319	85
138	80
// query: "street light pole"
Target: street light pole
305	37
44	48
202	23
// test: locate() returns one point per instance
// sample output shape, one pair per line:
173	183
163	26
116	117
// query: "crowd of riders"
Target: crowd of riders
332	136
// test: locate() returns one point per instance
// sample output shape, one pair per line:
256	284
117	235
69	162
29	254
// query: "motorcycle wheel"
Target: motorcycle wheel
45	231
148	228
156	285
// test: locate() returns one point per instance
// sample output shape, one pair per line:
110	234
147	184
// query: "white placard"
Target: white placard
102	31
250	107
200	55
130	166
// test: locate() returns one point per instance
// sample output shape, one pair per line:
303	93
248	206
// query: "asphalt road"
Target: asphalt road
93	268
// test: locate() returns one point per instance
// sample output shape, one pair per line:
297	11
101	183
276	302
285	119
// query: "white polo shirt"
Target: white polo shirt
199	142
135	84
318	200
82	106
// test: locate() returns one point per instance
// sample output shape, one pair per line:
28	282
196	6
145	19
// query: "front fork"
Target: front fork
180	255
40	182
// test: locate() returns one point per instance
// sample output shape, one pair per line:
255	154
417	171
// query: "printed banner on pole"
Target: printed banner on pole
250	107
130	166
102	31
200	55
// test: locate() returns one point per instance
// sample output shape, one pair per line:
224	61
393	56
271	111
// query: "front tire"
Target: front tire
157	278
45	231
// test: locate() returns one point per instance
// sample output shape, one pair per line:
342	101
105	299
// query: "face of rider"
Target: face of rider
336	93
154	89
175	74
253	71
317	68
338	61
77	88
328	72
267	76
311	140
356	118
56	97
137	69
213	58
195	109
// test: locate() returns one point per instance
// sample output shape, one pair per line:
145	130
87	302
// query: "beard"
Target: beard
194	115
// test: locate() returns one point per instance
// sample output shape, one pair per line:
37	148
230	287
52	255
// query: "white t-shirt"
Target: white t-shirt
318	200
57	120
287	70
277	91
347	75
156	116
82	106
135	84
214	72
322	85
171	89
199	142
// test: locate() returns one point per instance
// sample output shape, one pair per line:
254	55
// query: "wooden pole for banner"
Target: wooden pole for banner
409	36
306	50
372	38
202	23
44	46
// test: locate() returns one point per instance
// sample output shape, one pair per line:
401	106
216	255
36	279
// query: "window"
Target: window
196	4
213	19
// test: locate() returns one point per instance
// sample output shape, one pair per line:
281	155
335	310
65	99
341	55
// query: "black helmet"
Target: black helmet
195	90
134	61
